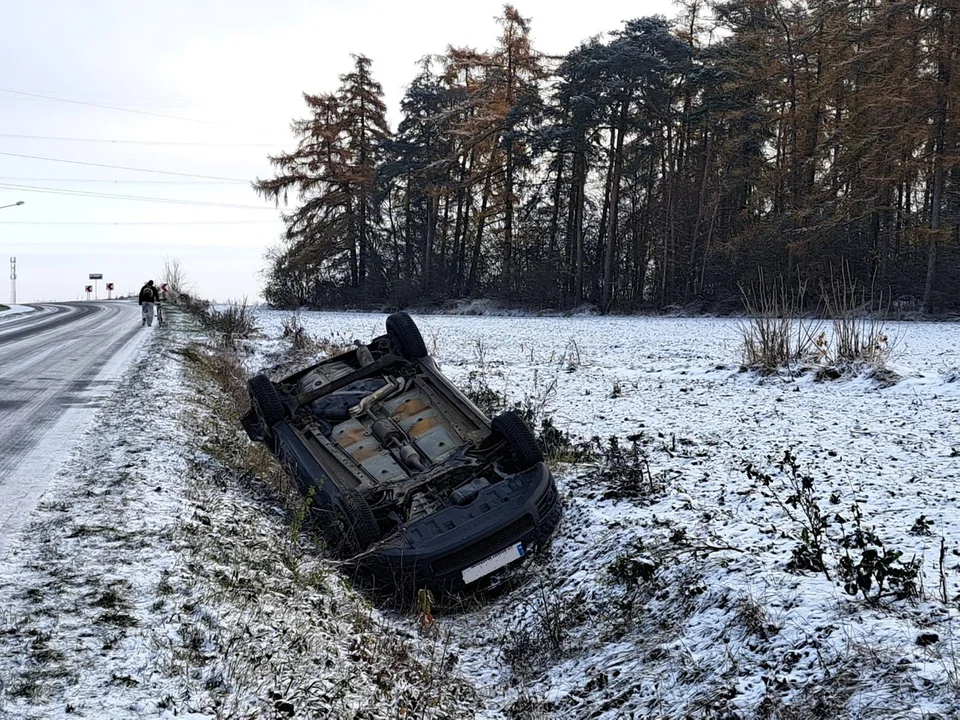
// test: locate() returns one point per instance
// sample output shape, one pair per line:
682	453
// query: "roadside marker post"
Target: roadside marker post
97	277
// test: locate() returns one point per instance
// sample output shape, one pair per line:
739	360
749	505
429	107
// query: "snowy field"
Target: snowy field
722	627
154	581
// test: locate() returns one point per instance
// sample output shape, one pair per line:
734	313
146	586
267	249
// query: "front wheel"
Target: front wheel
405	336
519	437
352	525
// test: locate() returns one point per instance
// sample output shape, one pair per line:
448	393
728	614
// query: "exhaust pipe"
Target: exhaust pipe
392	437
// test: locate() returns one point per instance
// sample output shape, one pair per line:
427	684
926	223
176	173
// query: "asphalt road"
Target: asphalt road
56	366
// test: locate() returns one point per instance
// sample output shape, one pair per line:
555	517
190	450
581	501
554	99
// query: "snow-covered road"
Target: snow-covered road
55	366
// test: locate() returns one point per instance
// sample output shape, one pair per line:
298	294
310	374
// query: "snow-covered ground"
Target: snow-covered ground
722	627
155	581
10	310
78	586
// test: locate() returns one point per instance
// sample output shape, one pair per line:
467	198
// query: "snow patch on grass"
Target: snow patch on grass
680	603
80	585
160	577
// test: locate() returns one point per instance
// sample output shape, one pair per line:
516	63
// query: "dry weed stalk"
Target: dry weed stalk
775	335
859	336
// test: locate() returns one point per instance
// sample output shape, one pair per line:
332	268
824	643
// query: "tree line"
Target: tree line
663	164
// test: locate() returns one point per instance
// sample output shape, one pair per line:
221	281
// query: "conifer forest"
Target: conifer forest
666	163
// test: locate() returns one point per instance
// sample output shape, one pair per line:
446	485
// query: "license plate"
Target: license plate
492	563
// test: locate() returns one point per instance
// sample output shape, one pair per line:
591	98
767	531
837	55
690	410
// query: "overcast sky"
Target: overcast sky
230	76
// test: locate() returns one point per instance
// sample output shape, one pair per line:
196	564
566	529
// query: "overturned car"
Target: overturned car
415	485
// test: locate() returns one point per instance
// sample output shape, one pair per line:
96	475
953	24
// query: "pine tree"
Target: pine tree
331	235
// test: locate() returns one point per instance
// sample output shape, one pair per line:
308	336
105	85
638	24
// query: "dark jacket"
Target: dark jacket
148	293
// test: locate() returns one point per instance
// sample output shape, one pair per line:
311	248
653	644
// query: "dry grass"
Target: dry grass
234	321
269	605
775	336
859	336
296	333
222	366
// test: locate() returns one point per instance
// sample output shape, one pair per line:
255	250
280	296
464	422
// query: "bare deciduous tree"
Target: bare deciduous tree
175	277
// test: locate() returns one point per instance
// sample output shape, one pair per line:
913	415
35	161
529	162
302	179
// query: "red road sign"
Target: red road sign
109	286
89	288
163	287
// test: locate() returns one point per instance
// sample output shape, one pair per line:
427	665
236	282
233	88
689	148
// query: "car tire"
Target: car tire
353	527
519	438
405	336
266	402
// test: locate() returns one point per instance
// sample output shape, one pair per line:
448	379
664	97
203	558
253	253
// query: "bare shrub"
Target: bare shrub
232	322
625	471
175	278
294	331
775	335
545	635
859	338
480	393
845	549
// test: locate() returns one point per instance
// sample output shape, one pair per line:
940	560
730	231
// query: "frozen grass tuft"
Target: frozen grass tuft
775	336
228	324
296	333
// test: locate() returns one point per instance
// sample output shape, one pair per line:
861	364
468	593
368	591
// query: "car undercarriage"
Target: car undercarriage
411	481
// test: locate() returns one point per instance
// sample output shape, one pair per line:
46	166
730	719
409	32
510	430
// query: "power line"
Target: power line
186	222
139	198
137	142
119	167
124	182
118	109
122	97
157	106
135	198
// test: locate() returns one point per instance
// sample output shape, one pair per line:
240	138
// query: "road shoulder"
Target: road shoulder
156	580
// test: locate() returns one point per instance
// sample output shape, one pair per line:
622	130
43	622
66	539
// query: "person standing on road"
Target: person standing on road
148	299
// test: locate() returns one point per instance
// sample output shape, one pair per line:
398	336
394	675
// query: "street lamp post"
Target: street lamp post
19	202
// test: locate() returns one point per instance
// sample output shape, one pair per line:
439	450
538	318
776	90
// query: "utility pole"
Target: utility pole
13	262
